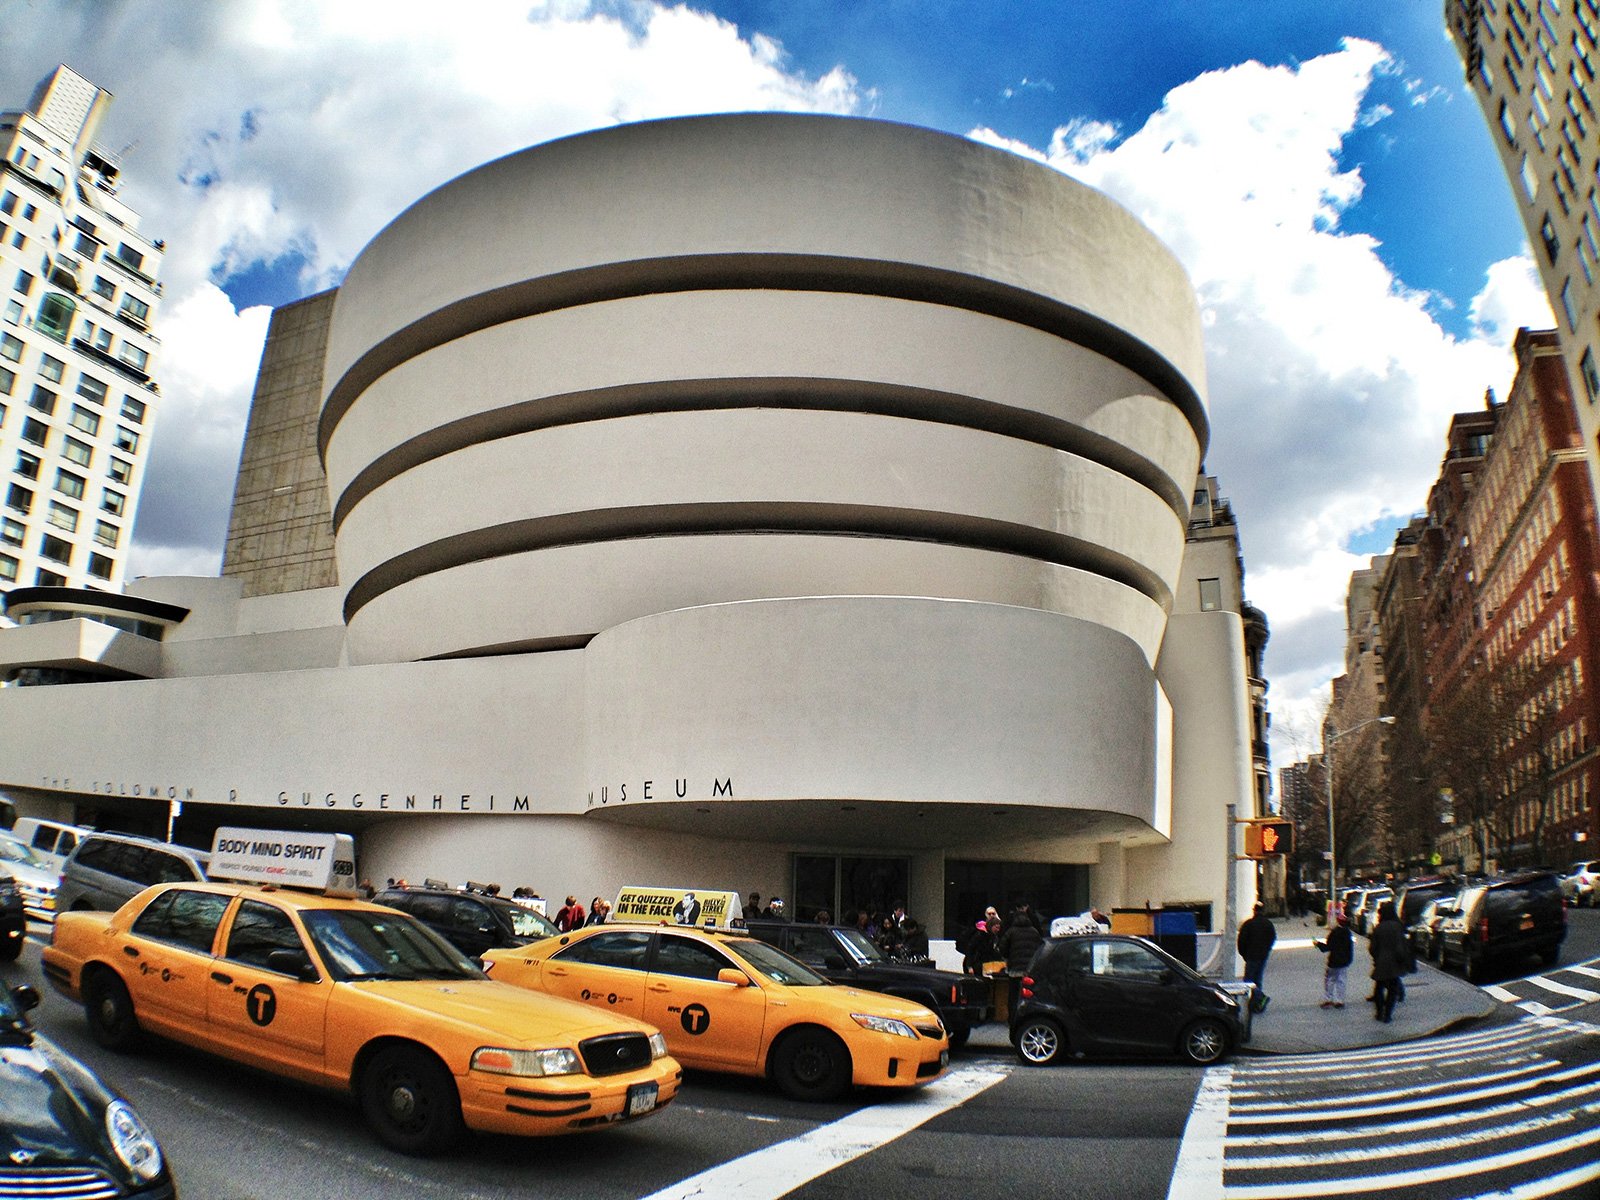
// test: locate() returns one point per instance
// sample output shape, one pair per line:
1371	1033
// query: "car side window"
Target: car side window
627	949
470	916
259	929
183	918
96	855
1071	956
689	958
1124	960
433	909
167	868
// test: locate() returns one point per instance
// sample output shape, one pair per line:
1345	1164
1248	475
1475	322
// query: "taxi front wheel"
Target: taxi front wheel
410	1101
109	1010
811	1064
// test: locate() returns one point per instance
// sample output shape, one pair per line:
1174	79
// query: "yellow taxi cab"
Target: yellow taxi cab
344	994
731	1003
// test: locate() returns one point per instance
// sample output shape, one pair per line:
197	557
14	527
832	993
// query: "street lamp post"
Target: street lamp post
1333	850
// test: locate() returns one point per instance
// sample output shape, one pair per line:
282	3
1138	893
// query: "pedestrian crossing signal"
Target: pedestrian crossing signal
1268	839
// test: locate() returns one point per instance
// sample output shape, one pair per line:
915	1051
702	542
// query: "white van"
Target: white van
53	841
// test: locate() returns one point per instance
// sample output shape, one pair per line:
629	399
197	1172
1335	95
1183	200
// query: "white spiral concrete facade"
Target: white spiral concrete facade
747	357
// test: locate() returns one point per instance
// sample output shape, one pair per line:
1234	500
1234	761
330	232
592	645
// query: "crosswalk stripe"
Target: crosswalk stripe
1591	972
1534	1189
1500	993
1562	989
1198	1171
1529	1067
1522	1034
1300	1114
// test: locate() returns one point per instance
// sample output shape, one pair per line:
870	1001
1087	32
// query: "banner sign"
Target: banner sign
679	906
321	862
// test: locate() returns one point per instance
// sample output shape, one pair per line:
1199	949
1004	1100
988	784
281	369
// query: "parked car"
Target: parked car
1114	994
844	955
1505	919
1425	930
472	922
1367	914
1411	897
62	1131
1581	883
13	918
106	870
36	879
53	841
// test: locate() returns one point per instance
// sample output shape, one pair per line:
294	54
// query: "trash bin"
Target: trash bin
1175	933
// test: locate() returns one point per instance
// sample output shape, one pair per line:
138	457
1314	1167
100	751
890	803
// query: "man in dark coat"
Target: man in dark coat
1391	958
1256	937
1017	944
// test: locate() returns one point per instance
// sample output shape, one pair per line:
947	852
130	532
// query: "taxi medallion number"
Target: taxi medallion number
641	1098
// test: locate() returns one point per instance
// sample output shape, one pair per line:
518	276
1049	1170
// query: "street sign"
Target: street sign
1268	837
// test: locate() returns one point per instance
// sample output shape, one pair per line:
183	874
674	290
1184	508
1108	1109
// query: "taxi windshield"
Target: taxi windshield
529	924
360	945
775	964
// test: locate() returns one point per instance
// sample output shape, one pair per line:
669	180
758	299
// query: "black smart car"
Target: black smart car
844	955
472	922
62	1131
1117	995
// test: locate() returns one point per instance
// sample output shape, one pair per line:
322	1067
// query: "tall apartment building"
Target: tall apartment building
79	285
1531	63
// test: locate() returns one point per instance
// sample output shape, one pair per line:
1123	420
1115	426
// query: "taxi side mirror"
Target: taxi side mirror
737	978
293	962
25	997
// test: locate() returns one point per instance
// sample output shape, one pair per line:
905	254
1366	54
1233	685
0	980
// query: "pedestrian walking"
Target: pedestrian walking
1256	937
1391	958
1340	947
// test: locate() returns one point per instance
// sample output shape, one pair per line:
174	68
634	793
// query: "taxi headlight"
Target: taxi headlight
884	1025
132	1141
526	1062
658	1046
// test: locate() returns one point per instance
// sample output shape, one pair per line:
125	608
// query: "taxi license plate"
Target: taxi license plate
641	1098
944	1058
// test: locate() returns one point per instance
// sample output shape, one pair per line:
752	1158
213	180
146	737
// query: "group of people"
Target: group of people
1389	947
992	940
572	915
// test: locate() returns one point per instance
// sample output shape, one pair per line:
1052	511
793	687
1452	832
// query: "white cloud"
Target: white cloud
1331	384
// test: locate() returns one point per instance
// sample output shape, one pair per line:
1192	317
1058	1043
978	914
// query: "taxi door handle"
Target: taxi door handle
131	951
560	972
660	987
221	978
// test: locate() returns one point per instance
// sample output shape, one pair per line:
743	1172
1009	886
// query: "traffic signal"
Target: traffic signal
1268	838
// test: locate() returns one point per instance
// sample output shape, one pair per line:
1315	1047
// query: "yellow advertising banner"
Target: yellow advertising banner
678	906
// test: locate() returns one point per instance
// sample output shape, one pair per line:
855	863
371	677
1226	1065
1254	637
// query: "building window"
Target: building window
101	339
1210	595
112	502
51	368
10	347
104	288
135	356
129	257
8	203
13	312
127	440
136	310
85	420
55	316
24	284
120	470
8	379
133	410
27	465
1552	243
1566	304
1507	125
62	516
106	533
55	549
91	389
44	578
42	399
35	431
1530	180
1591	375
19	499
78	452
99	566
69	484
8	569
12	531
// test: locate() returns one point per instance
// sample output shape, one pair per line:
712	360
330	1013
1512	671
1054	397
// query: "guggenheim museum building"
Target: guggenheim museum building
781	503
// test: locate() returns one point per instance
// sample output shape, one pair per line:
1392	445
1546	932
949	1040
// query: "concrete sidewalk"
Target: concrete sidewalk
1296	1023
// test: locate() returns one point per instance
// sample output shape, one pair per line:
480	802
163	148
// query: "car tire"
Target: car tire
410	1101
1471	969
109	1010
811	1064
959	1035
11	949
1204	1042
1550	957
1040	1042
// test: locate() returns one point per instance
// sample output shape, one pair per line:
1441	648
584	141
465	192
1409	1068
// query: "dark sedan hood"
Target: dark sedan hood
51	1110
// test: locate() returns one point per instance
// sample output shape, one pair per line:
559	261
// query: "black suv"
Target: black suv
470	921
13	921
1113	994
844	955
1503	920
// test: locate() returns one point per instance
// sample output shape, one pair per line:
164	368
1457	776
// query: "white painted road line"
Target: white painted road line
1562	989
781	1168
1198	1171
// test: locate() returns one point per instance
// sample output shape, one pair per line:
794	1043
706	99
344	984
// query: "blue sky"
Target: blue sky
1319	168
